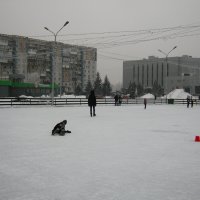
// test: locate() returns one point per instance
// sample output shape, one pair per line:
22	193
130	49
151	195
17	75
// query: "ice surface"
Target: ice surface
124	153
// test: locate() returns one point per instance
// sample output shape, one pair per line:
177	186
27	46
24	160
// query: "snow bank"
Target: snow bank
178	94
73	96
24	96
148	96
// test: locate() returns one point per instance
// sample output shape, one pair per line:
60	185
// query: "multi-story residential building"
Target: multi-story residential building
79	67
170	73
27	60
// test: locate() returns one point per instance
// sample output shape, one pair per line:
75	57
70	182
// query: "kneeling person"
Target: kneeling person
60	128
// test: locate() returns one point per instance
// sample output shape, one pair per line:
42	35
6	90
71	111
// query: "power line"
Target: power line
112	39
125	31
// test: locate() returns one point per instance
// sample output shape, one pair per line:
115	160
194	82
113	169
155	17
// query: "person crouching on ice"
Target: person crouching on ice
59	128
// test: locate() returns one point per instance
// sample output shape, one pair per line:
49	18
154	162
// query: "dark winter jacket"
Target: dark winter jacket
60	127
92	99
116	98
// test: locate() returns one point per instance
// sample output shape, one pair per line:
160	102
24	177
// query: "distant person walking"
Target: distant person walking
116	99
192	102
145	103
120	100
92	103
188	102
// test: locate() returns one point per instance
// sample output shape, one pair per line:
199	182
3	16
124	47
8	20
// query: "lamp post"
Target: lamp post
166	56
54	58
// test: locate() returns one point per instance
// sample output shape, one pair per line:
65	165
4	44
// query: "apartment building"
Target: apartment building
170	73
79	67
28	60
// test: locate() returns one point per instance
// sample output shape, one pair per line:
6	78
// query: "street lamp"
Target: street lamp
54	58
166	55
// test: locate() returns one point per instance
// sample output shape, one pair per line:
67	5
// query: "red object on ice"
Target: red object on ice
197	139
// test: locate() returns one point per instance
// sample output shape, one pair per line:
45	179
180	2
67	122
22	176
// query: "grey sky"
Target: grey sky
28	18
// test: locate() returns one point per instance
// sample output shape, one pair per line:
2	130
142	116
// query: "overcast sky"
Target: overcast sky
119	29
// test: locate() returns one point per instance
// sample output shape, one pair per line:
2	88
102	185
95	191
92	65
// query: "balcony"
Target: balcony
42	75
73	53
32	52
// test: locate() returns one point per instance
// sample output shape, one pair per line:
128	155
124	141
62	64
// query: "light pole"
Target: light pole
166	55
54	58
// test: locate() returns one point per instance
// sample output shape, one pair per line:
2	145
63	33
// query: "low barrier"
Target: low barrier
12	101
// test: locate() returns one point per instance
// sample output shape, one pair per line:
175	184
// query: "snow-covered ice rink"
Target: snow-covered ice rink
124	153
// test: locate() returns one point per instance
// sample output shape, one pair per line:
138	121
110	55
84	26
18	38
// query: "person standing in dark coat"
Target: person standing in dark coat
188	102
92	103
145	103
116	99
192	102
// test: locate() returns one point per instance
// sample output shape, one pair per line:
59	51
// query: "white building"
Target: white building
175	72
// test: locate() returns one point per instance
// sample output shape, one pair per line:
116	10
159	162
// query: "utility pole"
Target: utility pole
166	57
54	58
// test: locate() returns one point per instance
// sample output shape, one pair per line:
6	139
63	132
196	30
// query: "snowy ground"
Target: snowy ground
124	153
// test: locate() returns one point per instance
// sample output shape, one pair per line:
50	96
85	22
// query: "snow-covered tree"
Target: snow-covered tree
88	87
106	89
98	85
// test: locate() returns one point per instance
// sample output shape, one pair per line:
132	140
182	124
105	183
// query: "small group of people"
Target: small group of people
118	100
59	129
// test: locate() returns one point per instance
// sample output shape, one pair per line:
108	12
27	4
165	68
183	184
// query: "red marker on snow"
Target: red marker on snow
197	139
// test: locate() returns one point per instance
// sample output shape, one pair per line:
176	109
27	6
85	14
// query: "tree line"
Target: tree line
102	88
138	90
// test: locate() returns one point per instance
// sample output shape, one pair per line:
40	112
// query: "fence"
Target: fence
12	101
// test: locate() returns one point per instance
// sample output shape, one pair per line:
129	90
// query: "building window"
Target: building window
143	75
162	75
167	69
152	74
157	73
147	74
133	72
